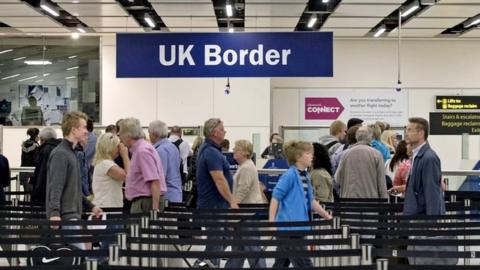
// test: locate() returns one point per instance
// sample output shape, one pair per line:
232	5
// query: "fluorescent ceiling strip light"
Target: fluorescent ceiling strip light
71	57
71	77
229	10
10	77
6	51
49	9
41	80
19	58
29	78
477	21
324	1
72	68
149	20
380	31
46	74
81	30
37	62
410	8
312	21
231	30
75	35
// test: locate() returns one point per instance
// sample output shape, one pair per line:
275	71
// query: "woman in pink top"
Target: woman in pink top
401	174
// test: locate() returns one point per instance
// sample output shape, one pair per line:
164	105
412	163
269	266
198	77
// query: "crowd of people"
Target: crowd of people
122	168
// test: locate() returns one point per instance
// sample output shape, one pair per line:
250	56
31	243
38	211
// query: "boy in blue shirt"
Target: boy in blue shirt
292	197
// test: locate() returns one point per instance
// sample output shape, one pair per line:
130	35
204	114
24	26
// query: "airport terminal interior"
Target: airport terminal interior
320	134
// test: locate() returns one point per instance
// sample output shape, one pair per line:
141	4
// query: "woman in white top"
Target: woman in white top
246	189
108	177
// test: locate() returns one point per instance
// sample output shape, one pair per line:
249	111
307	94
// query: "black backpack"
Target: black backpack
69	260
182	173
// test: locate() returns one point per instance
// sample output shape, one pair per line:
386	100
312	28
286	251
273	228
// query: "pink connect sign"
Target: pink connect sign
322	108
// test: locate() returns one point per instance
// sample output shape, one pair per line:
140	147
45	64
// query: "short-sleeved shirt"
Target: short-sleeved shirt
170	157
106	190
210	158
145	167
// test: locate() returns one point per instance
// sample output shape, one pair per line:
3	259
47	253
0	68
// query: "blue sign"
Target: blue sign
295	54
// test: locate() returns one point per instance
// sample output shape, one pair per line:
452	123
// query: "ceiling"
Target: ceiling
349	18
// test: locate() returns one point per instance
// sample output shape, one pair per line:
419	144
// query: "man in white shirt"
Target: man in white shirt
183	146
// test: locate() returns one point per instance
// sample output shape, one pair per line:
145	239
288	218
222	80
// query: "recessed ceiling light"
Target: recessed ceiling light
71	77
380	31
72	68
75	1
72	56
75	35
49	8
312	21
10	77
29	78
229	10
6	51
410	8
46	74
37	62
148	19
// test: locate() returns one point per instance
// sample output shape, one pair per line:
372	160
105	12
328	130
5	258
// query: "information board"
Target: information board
449	123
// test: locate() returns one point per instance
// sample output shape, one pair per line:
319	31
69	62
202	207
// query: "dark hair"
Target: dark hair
321	160
33	133
400	154
351	132
225	144
89	124
117	124
111	128
422	124
273	135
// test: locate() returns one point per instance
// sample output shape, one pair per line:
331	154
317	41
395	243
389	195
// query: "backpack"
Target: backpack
182	173
33	261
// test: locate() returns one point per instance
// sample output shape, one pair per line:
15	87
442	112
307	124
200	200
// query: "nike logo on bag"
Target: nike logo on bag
45	260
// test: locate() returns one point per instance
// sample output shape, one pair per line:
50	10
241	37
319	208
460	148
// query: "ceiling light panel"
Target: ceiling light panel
100	9
196	14
461	11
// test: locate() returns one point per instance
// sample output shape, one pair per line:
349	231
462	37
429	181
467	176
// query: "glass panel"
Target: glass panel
41	78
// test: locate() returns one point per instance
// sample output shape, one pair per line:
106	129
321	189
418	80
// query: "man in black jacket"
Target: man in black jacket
48	140
4	177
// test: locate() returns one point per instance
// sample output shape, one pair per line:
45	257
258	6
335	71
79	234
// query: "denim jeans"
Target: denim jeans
296	261
253	262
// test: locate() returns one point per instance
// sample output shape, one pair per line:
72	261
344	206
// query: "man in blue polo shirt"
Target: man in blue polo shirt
214	180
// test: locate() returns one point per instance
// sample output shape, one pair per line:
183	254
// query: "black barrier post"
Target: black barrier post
366	254
134	233
91	264
345	235
122	243
14	261
145	224
453	198
114	254
355	244
467	204
153	247
382	264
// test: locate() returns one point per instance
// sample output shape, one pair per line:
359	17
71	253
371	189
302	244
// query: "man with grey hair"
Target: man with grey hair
48	141
170	158
214	180
361	172
145	182
183	147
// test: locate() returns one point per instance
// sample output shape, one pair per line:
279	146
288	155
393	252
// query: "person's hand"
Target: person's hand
123	150
97	211
55	218
234	204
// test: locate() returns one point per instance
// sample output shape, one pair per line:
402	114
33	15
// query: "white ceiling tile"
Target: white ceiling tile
104	9
174	9
85	1
373	1
423	22
414	32
118	30
180	1
109	21
20	9
265	22
276	1
285	9
351	22
194	30
346	32
43	29
30	22
460	2
462	11
365	10
268	29
190	21
472	33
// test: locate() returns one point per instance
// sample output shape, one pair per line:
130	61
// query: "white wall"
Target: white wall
186	101
428	68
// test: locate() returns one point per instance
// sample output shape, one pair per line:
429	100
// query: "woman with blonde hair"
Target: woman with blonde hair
389	138
107	176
